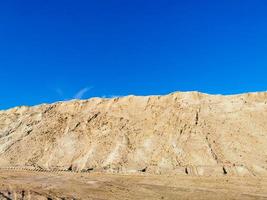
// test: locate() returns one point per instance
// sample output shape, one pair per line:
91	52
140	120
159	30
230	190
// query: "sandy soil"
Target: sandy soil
185	145
204	134
68	185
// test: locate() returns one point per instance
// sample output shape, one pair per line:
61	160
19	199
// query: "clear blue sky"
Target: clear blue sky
53	50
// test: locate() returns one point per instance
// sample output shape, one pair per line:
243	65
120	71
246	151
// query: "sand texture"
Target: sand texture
181	133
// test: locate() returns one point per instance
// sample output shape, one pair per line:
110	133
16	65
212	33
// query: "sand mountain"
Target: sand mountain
181	133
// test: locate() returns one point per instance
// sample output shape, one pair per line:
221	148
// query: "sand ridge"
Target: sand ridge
180	133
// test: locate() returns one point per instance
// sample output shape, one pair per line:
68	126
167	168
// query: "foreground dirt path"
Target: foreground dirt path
44	185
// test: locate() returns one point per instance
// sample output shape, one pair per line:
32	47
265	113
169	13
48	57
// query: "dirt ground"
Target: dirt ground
68	185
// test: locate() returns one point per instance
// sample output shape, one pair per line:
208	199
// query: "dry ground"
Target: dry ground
67	185
160	133
215	145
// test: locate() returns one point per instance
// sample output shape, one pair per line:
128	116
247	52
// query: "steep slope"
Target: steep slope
181	133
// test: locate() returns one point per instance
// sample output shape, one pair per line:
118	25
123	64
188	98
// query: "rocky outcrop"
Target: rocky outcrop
187	133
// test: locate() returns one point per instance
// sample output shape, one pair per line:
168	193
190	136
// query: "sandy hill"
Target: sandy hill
181	133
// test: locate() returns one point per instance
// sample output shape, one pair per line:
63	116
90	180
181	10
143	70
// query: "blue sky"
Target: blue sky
53	50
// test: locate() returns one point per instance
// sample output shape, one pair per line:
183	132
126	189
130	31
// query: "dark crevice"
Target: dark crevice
78	124
224	171
196	120
28	132
143	170
186	170
94	116
87	170
214	155
70	168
